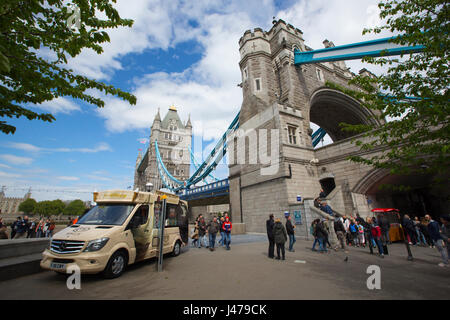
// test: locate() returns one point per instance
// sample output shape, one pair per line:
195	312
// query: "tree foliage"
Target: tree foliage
416	137
28	206
35	42
50	208
75	208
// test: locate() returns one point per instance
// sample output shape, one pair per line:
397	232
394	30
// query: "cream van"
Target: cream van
121	229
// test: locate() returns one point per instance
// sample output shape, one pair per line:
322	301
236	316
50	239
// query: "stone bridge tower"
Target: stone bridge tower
279	95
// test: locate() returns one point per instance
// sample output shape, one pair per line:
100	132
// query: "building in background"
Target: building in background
174	139
10	205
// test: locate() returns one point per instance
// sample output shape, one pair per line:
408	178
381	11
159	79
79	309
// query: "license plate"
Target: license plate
60	266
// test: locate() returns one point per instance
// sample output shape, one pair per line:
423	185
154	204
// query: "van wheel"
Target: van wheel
116	265
176	249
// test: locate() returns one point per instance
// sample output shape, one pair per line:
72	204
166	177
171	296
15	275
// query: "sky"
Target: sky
182	53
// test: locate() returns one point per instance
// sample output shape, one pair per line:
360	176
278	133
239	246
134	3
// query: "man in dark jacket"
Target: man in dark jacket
213	227
445	232
269	227
291	233
321	235
436	237
385	226
340	232
280	237
409	228
14	227
22	228
326	208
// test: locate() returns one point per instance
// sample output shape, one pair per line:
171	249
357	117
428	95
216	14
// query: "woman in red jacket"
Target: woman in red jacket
376	235
226	226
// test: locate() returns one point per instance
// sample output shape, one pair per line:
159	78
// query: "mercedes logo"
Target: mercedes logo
62	246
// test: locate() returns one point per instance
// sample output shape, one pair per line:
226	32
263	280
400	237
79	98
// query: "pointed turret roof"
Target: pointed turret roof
188	123
172	116
157	117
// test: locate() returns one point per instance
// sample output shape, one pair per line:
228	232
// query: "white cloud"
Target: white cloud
68	178
24	146
16	160
58	105
208	89
9	175
4	166
32	148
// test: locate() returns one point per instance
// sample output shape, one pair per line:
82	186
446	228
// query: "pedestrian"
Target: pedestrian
280	237
359	219
31	229
376	235
269	229
424	231
201	231
354	233
22	227
322	194
313	232
51	227
340	232
45	229
3	231
321	235
326	208
327	229
212	227
445	232
227	229
385	226
291	233
222	233
361	239
438	240
40	229
420	236
194	235
408	225
348	236
368	231
14	227
1	222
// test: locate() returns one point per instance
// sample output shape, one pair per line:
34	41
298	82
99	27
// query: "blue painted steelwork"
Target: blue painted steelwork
158	157
196	165
215	189
204	169
362	50
166	184
317	136
219	151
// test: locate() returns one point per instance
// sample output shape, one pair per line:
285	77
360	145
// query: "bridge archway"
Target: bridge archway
423	197
329	107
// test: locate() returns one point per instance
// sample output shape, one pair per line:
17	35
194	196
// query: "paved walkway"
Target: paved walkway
245	272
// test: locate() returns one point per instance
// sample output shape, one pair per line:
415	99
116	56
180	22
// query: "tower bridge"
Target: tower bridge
283	87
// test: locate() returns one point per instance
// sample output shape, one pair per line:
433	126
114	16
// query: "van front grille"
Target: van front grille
66	246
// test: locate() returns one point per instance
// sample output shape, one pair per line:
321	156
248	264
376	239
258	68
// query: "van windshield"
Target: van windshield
107	214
